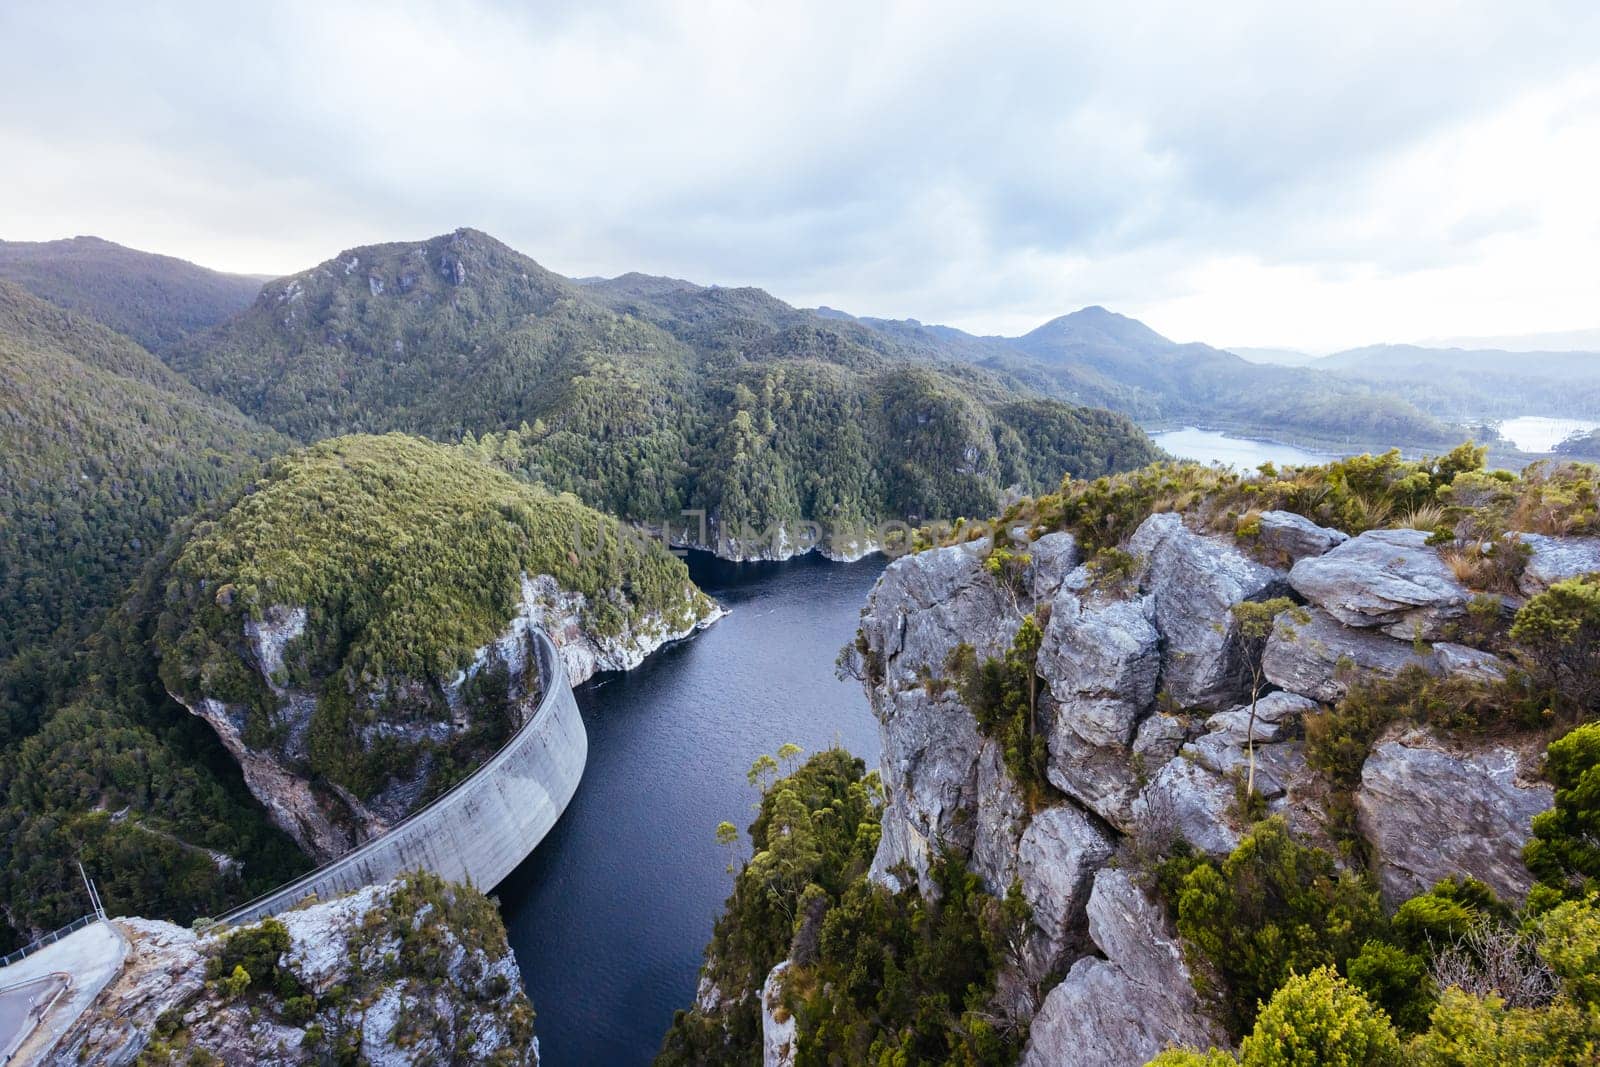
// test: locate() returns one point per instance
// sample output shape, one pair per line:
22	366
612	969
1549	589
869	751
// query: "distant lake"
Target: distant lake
609	916
1208	446
1536	433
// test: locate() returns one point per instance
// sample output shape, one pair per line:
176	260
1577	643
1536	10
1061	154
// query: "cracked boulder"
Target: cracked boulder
1122	1010
1321	659
1194	581
1057	858
1293	537
1391	580
1430	813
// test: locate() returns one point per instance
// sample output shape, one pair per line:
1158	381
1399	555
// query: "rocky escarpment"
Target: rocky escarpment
1145	714
417	723
356	627
415	971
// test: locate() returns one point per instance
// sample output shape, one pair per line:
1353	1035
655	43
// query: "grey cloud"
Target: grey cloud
941	163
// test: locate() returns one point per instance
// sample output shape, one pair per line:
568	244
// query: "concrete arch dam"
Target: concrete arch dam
482	828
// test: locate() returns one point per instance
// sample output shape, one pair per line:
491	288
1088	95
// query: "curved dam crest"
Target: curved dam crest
485	826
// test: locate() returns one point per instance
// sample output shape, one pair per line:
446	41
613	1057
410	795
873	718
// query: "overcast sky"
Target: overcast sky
1239	173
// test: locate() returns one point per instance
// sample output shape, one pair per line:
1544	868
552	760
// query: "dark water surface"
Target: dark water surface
609	916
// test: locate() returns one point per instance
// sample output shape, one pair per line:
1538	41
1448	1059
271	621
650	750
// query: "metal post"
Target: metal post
94	898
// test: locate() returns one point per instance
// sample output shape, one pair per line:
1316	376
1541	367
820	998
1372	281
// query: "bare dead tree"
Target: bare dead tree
1493	958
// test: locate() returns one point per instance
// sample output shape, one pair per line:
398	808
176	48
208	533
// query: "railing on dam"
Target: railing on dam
482	828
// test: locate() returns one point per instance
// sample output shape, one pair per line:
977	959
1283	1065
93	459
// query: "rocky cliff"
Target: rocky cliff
356	628
427	730
412	972
1146	721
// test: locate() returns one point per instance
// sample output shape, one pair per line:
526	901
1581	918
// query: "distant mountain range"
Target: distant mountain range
1288	357
1457	383
156	300
1549	341
363	358
1471	383
1095	356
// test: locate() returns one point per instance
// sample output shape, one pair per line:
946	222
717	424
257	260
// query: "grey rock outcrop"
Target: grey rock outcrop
1057	858
1555	559
1123	673
419	715
1050	560
1292	538
1123	1009
392	1018
923	606
1279	762
931	748
1102	659
1474	663
1430	813
1193	801
1321	659
1105	780
1386	579
1001	816
778	1027
584	652
1194	581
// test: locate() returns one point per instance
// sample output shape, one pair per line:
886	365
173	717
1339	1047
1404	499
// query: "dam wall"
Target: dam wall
483	827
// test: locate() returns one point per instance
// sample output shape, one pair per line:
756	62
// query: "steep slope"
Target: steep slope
122	780
1174	742
354	627
101	448
156	300
645	396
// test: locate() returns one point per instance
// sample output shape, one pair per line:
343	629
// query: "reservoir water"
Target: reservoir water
1209	446
609	916
1538	433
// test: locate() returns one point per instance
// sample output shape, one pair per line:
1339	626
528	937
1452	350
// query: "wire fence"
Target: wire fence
49	939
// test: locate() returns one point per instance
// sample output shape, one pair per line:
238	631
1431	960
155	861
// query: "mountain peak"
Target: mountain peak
1098	324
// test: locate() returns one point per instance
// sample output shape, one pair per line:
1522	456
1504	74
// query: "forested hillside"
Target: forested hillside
1097	357
1476	383
120	778
156	300
643	396
353	627
102	448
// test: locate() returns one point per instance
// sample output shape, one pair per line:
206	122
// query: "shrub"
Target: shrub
1446	914
1274	907
1003	695
1188	1057
254	950
1320	1020
1569	941
1396	980
1558	636
1564	851
236	982
1468	1031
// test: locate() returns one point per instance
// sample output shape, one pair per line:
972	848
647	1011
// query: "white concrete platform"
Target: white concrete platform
86	960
